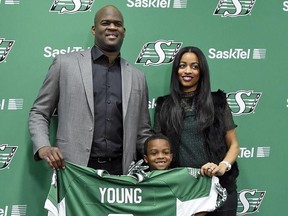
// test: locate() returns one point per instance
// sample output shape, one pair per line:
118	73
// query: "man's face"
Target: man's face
109	30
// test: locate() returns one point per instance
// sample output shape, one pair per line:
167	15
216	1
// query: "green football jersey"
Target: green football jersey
83	191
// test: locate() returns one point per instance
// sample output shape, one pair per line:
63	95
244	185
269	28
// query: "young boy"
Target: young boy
158	152
158	155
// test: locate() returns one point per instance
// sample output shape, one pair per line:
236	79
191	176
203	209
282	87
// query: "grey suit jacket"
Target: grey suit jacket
69	88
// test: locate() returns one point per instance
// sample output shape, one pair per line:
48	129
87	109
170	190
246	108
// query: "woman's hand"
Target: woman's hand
212	169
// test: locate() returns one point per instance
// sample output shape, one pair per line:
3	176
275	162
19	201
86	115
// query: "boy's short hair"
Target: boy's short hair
154	137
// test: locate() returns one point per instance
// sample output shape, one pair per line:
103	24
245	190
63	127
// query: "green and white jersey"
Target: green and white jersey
83	191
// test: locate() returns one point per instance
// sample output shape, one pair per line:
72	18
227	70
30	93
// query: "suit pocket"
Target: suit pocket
61	141
136	91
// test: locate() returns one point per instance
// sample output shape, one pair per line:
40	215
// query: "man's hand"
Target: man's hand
53	156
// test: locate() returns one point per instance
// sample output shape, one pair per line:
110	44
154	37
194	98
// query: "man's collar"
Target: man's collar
97	53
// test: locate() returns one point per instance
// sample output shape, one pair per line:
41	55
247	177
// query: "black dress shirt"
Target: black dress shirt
108	124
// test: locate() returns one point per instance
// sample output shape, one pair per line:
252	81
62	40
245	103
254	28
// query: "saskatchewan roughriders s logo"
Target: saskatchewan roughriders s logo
71	6
5	48
243	102
6	155
159	52
234	8
249	201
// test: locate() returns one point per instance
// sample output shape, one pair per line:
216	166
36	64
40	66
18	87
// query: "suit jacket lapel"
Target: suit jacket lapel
126	75
85	65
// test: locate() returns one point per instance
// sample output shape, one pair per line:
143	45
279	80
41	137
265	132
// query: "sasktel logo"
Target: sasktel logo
52	52
156	3
157	53
5	48
15	210
234	8
249	201
237	53
259	152
10	2
243	101
71	6
6	155
11	104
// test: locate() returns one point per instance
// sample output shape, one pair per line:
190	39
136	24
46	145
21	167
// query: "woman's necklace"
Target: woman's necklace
187	101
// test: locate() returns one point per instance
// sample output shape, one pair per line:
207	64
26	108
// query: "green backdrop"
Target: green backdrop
246	46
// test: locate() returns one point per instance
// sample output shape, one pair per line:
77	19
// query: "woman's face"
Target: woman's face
189	72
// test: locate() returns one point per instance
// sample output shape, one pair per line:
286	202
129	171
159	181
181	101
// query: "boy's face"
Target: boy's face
159	154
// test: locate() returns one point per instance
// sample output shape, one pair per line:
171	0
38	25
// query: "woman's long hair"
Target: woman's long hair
171	114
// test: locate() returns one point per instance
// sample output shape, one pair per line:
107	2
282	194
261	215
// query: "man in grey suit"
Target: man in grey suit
101	100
